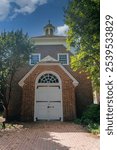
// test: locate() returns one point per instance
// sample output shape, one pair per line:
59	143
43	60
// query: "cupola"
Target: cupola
49	29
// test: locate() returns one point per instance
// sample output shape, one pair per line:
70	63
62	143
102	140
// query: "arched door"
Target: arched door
48	97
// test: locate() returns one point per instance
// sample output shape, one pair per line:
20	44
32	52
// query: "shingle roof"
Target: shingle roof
51	50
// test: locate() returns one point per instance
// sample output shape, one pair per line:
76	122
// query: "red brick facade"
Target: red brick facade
68	93
74	99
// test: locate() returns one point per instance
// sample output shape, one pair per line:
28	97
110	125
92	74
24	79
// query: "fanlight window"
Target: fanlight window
48	78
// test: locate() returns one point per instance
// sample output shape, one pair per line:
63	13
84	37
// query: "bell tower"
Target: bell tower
49	29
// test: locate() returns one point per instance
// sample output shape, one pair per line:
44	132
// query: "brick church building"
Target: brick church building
46	88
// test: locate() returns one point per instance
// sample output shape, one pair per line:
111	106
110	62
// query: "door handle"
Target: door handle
50	106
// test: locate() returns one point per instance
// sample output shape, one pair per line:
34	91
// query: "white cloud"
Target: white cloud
27	6
25	10
24	7
62	30
4	9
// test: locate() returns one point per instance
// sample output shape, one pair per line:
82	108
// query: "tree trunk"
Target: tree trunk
9	97
7	114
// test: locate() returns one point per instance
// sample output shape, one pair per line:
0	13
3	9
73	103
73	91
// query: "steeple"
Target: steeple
49	29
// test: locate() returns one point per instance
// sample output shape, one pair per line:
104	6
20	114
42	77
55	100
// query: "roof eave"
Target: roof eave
75	82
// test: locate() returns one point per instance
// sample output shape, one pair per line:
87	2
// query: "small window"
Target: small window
34	59
63	58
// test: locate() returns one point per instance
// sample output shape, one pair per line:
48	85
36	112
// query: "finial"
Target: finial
49	21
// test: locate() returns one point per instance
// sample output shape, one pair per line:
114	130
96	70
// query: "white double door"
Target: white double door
48	103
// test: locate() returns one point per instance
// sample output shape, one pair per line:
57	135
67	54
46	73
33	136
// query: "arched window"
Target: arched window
48	78
51	31
47	31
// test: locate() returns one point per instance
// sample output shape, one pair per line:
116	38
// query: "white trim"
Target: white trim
53	37
21	82
75	82
48	58
49	41
60	84
66	55
34	54
51	72
48	72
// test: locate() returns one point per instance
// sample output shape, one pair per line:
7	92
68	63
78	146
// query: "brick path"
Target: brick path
49	136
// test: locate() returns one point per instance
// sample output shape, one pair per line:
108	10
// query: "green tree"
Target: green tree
15	48
83	19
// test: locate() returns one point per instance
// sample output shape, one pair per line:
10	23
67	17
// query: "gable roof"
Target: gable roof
75	82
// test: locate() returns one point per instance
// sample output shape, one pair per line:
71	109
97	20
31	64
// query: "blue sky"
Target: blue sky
32	15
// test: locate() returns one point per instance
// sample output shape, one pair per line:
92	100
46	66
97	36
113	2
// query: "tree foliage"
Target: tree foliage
83	19
15	48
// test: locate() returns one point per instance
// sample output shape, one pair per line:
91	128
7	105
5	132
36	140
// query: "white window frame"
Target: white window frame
34	54
66	55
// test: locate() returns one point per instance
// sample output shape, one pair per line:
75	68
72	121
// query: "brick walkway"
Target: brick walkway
49	136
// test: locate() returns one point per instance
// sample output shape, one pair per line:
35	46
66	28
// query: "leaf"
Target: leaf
83	19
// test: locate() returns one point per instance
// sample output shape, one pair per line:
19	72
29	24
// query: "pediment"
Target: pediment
49	59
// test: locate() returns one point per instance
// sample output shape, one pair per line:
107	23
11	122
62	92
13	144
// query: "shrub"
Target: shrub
94	128
91	118
91	114
77	121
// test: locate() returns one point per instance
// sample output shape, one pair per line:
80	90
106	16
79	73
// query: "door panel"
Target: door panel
54	111
48	103
42	111
48	94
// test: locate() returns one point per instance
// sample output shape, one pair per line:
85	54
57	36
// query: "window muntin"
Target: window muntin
34	59
48	78
63	59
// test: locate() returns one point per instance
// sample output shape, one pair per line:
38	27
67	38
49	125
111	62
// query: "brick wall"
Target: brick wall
68	93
